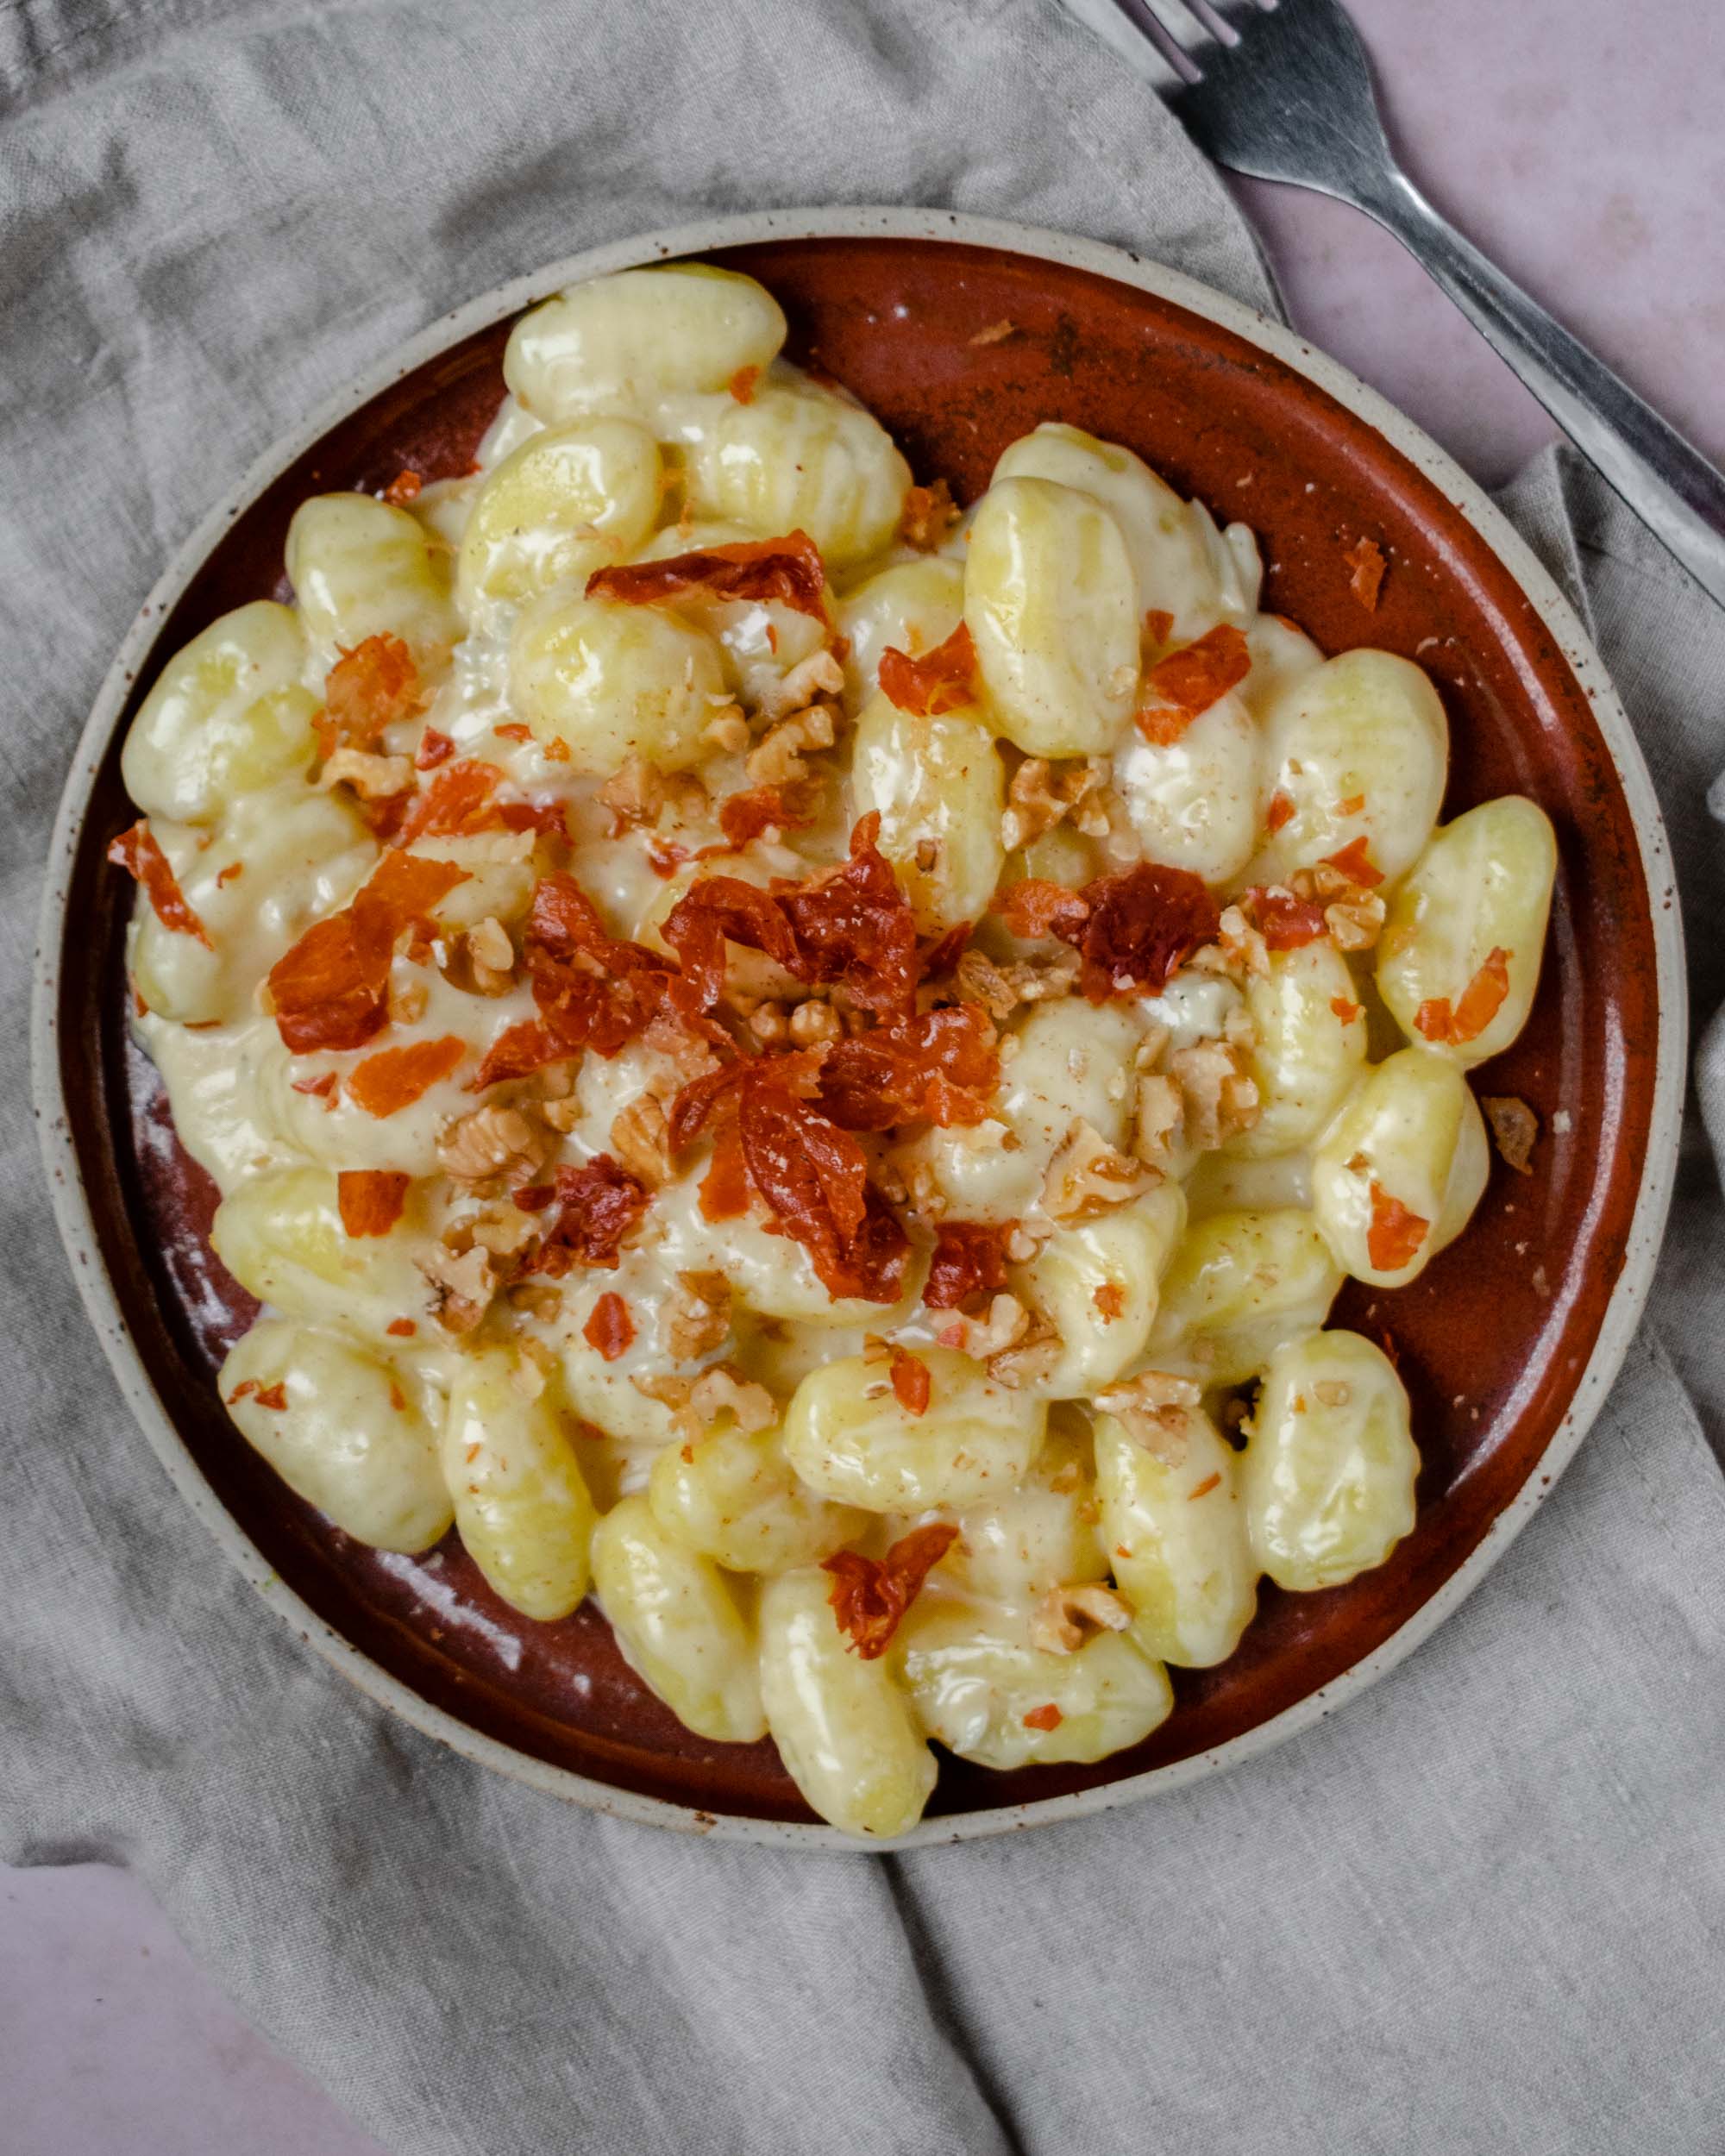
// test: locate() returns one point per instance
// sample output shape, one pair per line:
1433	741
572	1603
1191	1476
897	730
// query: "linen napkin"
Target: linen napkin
1483	1907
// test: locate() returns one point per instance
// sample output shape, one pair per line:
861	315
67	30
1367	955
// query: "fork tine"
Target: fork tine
1181	21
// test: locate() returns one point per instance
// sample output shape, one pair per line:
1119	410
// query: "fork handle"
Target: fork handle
1666	481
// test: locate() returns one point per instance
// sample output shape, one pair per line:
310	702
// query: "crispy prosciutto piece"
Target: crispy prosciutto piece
813	1176
944	680
1033	906
969	1263
1285	922
743	817
597	1206
1184	685
273	1397
330	990
367	689
395	1078
939	1067
1354	861
1394	1234
371	1200
787	570
610	1330
1474	1008
853	926
908	1376
716	911
594	989
1365	558
1132	929
517	1052
870	1595
138	853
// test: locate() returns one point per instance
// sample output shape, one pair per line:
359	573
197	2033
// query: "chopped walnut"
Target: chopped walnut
407	1003
638	1140
556	1082
465	1283
634	794
1088	1177
1156	1115
1043	795
819	674
1152	1408
813	1021
922	1193
929	514
1356	922
503	1230
669	1391
373	778
723	1390
700	1316
491	956
1217	1097
1069	1618
1238	953
1029	1361
1513	1128
777	758
1001	989
1005	1324
561	1116
537	1298
728	731
491	1141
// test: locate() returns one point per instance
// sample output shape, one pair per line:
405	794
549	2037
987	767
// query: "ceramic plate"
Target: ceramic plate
1509	1340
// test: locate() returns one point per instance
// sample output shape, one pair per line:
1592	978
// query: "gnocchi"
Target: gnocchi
792	1062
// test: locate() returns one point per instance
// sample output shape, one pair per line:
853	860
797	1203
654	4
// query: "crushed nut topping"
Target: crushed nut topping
1004	1325
1001	989
777	759
1152	1409
1069	1618
633	794
1238	954
638	1138
1030	1361
813	1021
1043	795
819	674
1158	1110
1217	1097
491	1141
699	1319
728	731
465	1283
373	778
407	1003
723	1390
1088	1177
1515	1129
491	956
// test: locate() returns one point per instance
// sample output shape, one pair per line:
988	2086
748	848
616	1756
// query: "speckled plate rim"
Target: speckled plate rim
71	1208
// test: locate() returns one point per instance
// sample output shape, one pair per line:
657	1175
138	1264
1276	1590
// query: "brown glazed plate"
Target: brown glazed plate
1508	1341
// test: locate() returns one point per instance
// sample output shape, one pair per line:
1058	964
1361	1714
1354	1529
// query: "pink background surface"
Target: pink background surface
1576	141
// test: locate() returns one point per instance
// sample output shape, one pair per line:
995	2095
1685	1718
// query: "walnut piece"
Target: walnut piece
699	1316
723	1390
1043	795
1513	1128
491	1141
1088	1177
1005	1324
373	778
819	674
1069	1618
491	956
1001	989
815	1022
1157	1113
1217	1097
1152	1409
1238	954
777	758
634	794
1029	1361
465	1283
727	731
639	1141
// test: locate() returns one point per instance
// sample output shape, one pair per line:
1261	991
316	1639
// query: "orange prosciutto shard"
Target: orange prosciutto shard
787	571
910	1382
969	1261
725	1190
395	1078
434	749
1365	558
944	680
1033	906
517	1052
870	1595
370	687
939	1067
371	1200
854	927
744	817
1354	861
1395	1235
597	1206
330	990
1482	1000
610	1331
1141	926
1280	810
1044	1718
137	852
1185	684
1285	922
456	804
714	912
272	1396
594	990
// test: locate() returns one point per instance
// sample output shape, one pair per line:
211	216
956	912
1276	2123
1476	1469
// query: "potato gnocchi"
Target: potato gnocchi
813	1071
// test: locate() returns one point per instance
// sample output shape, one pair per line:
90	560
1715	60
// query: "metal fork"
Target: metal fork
1282	90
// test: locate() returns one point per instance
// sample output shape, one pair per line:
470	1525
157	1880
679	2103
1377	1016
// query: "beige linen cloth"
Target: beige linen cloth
1482	1907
